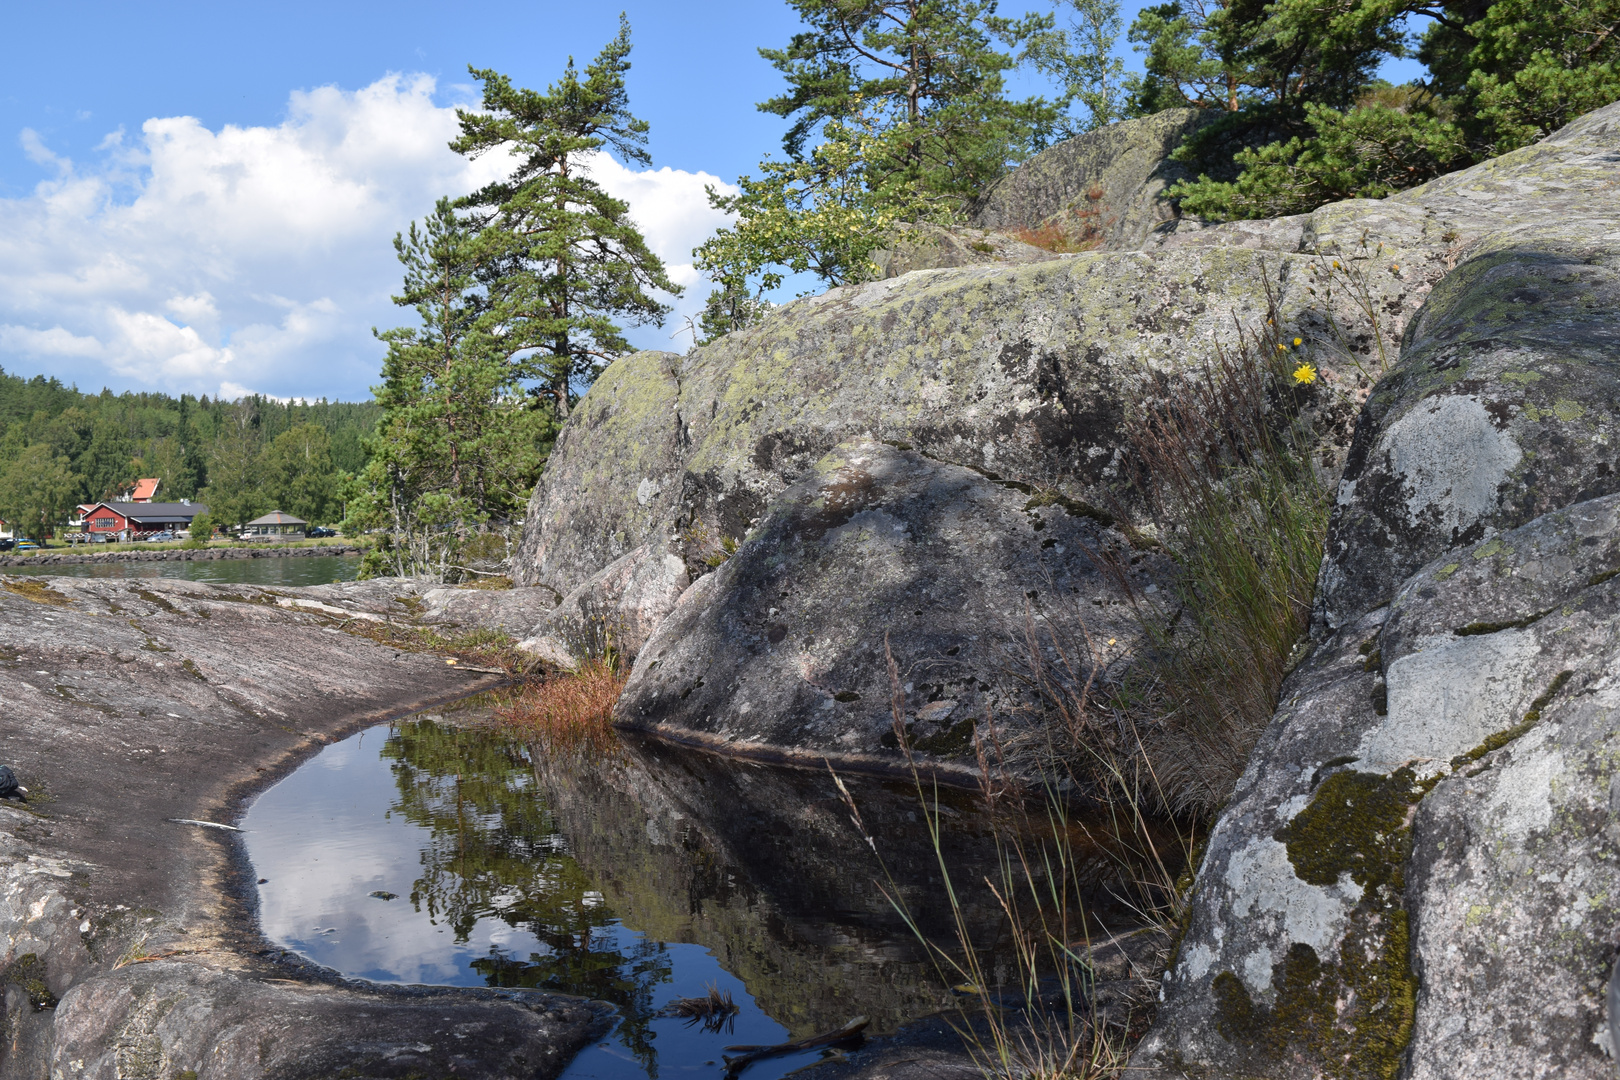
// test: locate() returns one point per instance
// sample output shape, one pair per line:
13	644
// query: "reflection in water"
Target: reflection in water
272	570
635	877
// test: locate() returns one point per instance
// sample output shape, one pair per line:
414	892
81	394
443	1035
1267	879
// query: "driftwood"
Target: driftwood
747	1055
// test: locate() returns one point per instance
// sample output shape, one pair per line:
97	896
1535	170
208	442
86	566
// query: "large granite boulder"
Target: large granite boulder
881	551
1102	189
1416	874
1022	372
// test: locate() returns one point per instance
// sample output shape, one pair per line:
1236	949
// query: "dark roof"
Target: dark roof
154	513
276	517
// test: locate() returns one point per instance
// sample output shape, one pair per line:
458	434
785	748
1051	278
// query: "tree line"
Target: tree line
60	447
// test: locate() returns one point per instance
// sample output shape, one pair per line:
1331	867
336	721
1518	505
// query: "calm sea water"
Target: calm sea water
271	570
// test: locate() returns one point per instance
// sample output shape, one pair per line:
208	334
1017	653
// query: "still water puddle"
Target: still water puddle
436	852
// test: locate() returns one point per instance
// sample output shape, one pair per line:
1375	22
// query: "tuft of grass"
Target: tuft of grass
1226	466
1059	1008
568	711
1083	233
715	1010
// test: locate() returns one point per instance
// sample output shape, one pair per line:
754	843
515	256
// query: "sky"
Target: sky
202	197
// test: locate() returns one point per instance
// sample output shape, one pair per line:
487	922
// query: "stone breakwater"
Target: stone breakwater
177	555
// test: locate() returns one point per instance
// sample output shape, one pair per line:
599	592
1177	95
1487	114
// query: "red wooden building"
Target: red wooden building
140	519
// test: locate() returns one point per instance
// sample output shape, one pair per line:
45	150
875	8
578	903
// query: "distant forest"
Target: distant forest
60	446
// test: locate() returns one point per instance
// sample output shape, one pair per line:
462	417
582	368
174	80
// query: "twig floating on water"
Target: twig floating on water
747	1055
204	824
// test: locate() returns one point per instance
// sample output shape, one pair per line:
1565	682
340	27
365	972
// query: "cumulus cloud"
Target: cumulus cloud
260	257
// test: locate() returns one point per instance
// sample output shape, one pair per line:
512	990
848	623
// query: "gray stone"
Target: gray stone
1104	188
1478	710
616	607
1501	409
882	548
932	247
1018	371
1416	874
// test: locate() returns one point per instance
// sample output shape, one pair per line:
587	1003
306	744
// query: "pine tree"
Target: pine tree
460	443
562	261
928	67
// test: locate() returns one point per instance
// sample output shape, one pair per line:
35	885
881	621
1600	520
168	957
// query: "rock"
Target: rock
1502	409
1102	189
169	1019
1018	371
126	944
1416	874
511	611
617	607
931	247
1429	765
784	645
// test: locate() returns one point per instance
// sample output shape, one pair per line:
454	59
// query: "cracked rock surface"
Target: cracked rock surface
128	943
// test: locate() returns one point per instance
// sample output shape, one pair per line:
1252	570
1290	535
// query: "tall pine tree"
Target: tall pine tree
563	263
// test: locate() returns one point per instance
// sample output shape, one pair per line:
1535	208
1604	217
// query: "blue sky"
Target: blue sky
201	197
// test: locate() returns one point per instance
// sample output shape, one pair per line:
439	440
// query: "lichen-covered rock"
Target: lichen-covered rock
1019	371
1104	188
1502	408
932	247
613	477
1416	874
880	548
1420	856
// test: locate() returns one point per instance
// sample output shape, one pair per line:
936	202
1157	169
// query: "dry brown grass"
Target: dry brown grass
1082	233
568	711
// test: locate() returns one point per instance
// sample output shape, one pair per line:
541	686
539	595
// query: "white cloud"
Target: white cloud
211	261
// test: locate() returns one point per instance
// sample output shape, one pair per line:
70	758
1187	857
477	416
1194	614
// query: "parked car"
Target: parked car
7	543
320	530
161	537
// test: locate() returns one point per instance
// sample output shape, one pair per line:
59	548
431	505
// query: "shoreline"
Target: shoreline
66	558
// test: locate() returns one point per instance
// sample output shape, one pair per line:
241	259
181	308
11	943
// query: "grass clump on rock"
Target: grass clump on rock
1238	505
571	710
1225	476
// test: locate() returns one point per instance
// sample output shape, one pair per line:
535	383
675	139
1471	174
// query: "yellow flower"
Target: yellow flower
1281	347
1297	342
1304	374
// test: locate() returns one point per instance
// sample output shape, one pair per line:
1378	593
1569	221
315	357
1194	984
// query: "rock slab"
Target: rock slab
1417	874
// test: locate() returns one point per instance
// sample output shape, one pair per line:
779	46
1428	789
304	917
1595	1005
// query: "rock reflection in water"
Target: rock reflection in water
632	876
762	866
